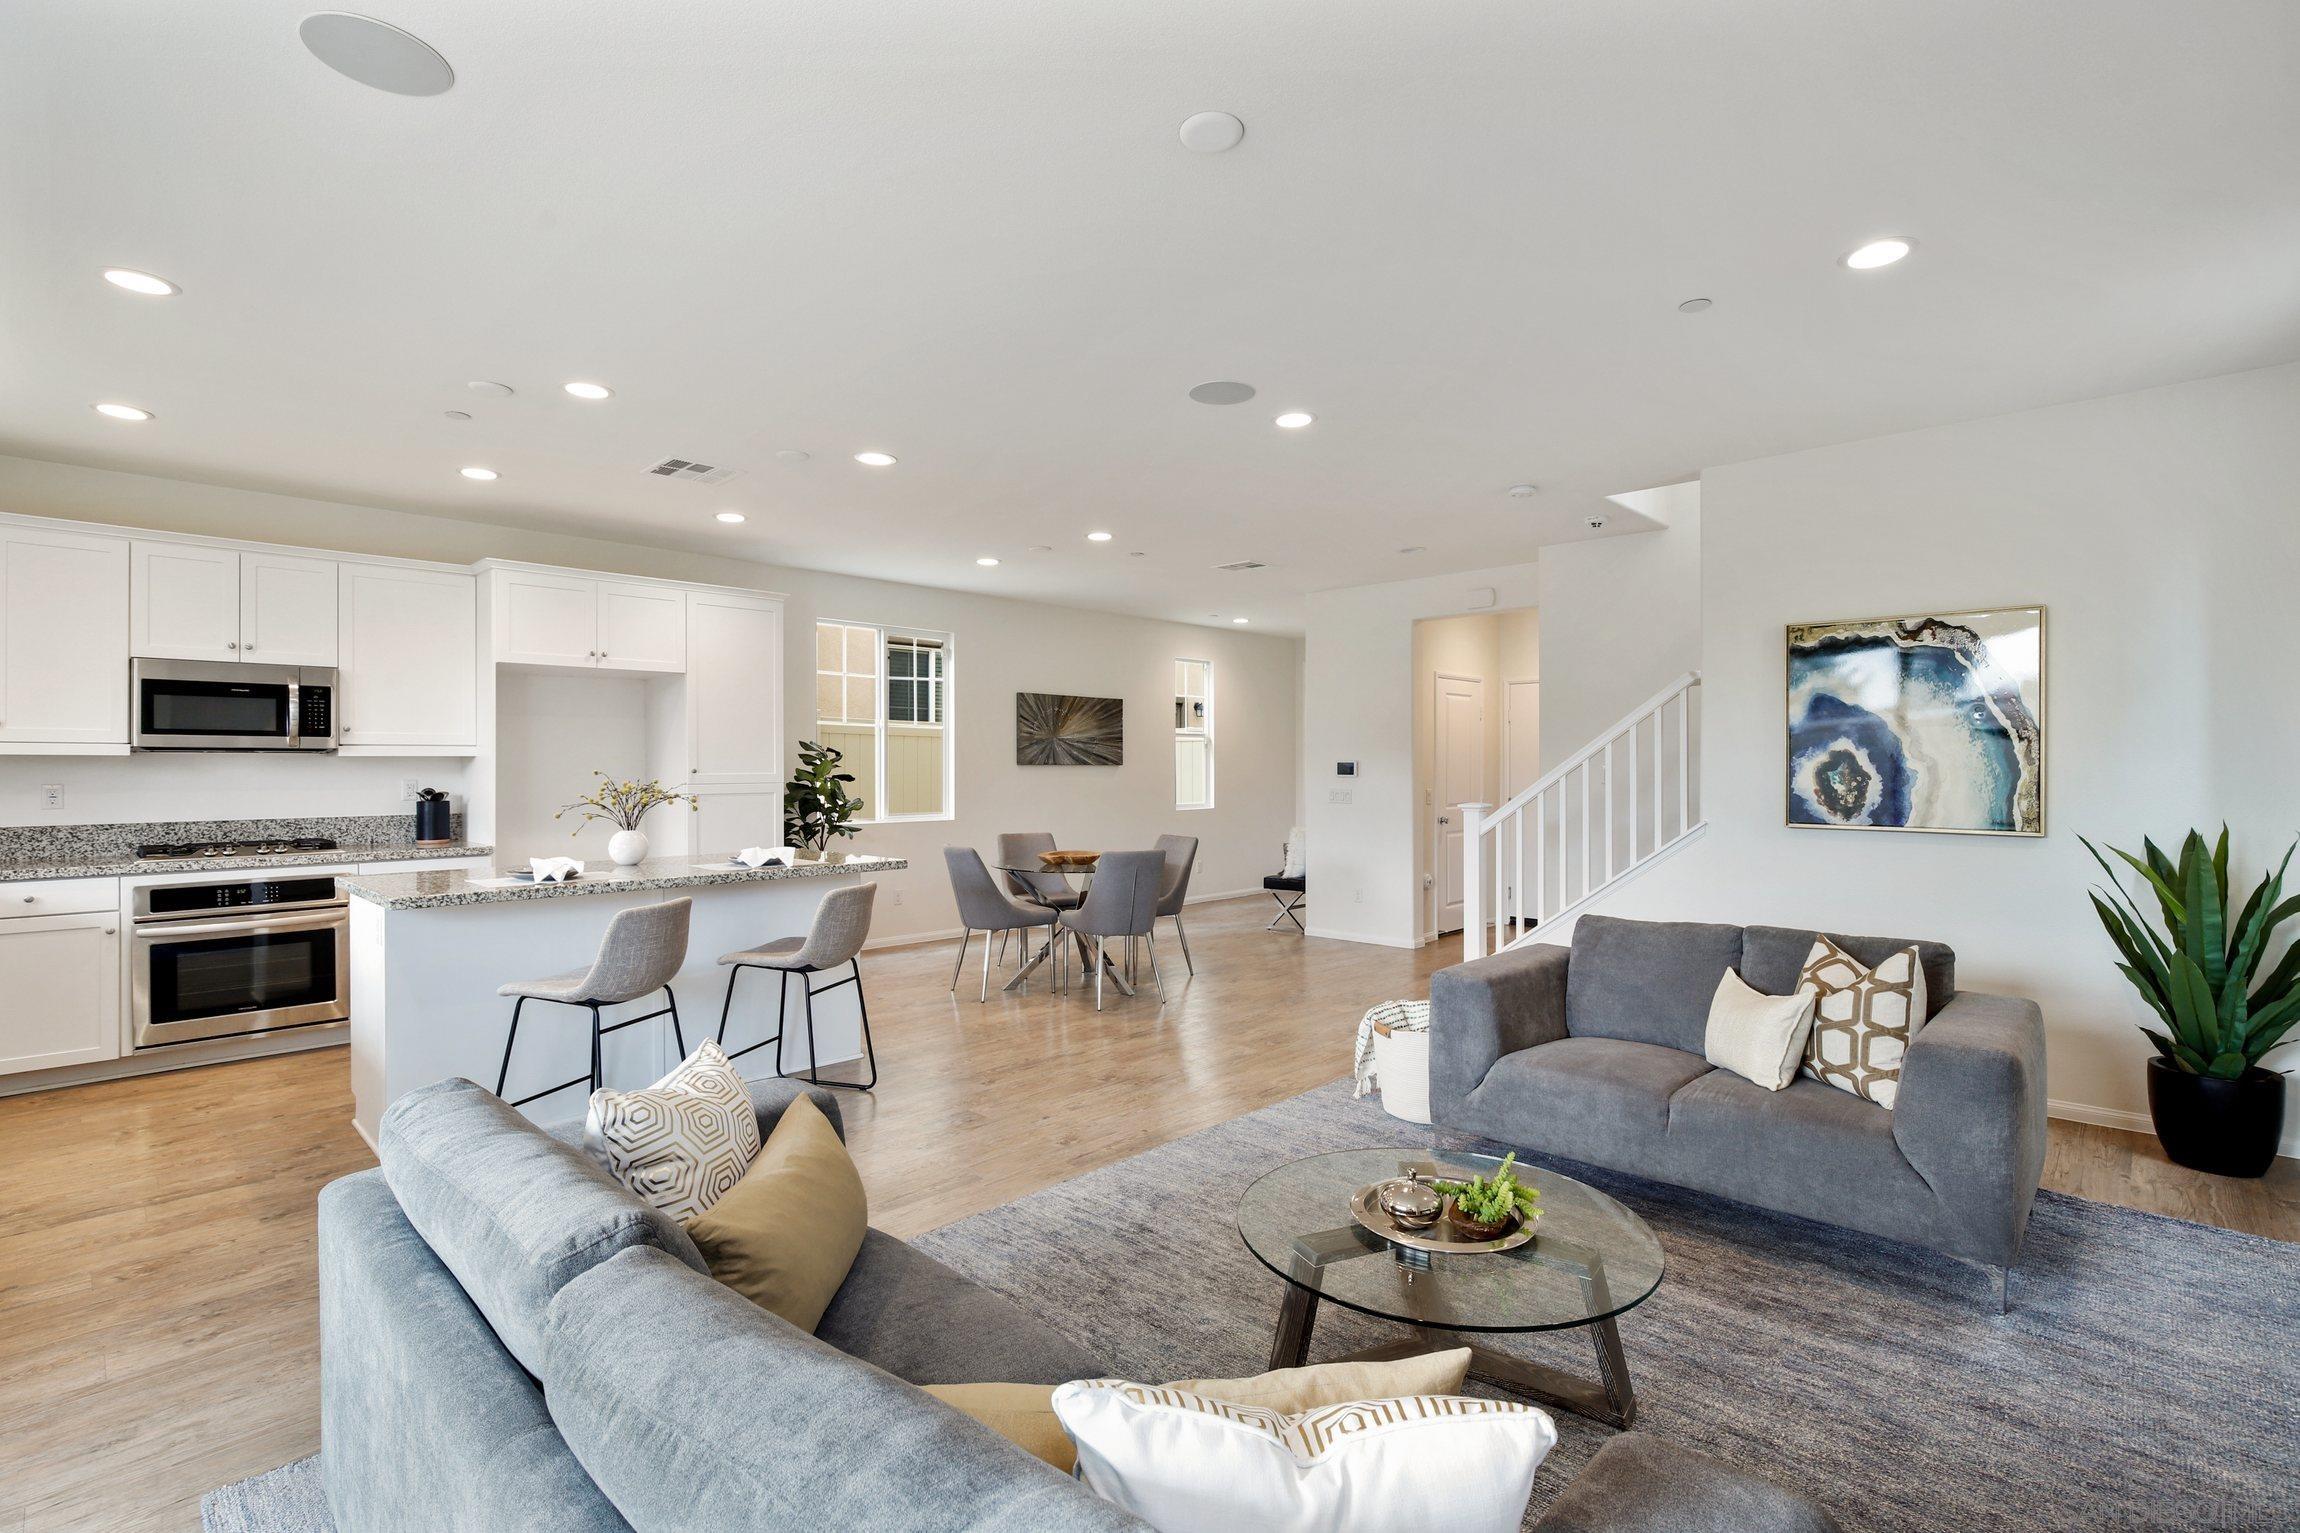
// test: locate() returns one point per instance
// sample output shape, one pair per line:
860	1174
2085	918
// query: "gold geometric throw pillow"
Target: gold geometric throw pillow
1863	1019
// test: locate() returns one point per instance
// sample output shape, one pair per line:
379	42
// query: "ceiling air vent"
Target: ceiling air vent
1243	564
691	472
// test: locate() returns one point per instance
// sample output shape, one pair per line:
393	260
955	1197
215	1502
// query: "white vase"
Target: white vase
627	847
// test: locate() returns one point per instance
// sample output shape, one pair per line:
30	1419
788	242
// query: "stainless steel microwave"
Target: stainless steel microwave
209	705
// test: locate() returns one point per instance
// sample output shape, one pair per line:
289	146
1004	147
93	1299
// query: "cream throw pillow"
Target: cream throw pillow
785	1235
1023	1414
1863	1019
1187	1464
1757	1036
682	1141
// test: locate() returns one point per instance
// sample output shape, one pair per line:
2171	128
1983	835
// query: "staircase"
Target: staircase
1617	805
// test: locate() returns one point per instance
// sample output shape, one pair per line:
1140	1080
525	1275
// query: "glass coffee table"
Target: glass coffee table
1590	1259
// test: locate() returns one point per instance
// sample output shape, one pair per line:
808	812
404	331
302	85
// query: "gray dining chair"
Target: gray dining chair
1181	854
834	940
640	954
1122	903
985	908
1020	849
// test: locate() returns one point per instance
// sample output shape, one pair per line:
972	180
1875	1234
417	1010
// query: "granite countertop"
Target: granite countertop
16	872
458	886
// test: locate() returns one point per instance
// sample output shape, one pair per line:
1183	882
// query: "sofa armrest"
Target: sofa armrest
1640	1484
1489	1007
1970	1115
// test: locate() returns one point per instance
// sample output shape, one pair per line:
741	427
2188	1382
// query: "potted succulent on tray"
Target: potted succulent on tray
2215	1107
1484	1207
623	805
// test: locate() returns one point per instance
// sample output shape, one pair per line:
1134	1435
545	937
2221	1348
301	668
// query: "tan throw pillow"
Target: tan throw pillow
784	1236
1758	1037
681	1142
1863	1018
1023	1414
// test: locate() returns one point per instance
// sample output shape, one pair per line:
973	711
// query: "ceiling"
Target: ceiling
964	232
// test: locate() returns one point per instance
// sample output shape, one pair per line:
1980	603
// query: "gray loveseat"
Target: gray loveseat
510	1339
1594	1053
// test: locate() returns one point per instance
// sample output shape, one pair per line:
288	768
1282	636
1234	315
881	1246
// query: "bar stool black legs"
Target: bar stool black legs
813	1076
596	1078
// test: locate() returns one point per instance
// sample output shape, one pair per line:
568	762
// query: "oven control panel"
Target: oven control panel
199	899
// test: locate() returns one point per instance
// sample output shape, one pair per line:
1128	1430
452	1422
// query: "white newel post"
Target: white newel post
1472	880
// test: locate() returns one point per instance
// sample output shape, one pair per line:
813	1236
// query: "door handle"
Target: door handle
1445	819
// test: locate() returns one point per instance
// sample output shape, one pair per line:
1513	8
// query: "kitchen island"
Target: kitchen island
428	950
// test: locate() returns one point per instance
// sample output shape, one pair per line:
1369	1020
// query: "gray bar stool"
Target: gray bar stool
842	922
1122	903
985	908
640	954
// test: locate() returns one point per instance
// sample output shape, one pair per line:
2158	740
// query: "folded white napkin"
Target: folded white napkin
760	856
549	870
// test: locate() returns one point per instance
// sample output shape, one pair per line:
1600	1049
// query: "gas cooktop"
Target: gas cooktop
186	851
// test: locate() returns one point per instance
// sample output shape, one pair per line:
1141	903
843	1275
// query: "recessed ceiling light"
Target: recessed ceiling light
124	412
1223	391
1693	306
789	455
490	390
730	516
1878	253
1240	620
140	282
1098	537
1295	420
376	53
457	415
986	561
1211	132
590	390
1523	491
481	473
875	459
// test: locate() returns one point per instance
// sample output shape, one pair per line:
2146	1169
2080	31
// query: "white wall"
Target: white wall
2159	529
552	732
1621	618
1001	647
1358	705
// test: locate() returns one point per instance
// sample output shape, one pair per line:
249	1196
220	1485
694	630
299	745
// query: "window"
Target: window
882	698
1193	734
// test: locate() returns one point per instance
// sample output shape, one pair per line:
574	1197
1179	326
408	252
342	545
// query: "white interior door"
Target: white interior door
1458	766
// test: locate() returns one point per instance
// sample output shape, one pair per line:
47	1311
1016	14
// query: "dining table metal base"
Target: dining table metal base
1115	973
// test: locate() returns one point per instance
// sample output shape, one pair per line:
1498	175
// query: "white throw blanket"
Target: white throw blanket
550	870
1398	1017
760	856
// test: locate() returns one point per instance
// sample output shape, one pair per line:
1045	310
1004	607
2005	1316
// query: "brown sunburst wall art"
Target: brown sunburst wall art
1052	729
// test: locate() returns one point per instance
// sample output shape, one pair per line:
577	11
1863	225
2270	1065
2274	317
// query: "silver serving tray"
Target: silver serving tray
1439	1237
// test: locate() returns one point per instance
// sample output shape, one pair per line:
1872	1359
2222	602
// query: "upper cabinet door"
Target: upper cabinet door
734	689
642	628
287	610
410	657
545	619
63	638
184	602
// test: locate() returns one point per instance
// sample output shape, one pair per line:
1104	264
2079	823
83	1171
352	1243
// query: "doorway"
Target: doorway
1457	765
1476	732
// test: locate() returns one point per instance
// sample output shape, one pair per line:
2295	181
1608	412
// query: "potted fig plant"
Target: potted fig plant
2216	1108
816	805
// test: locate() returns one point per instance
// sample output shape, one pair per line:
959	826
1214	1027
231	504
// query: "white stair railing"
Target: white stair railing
1593	820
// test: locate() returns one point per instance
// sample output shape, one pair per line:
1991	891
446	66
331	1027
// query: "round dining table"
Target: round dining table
1078	875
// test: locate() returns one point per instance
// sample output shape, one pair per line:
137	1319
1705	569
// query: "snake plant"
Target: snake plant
2198	976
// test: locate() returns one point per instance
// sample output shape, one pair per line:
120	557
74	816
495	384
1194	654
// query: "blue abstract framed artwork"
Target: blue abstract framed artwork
1919	723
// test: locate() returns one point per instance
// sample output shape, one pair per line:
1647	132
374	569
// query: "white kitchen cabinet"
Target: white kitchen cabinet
63	641
288	610
61	977
734	698
409	658
184	602
642	628
728	819
544	617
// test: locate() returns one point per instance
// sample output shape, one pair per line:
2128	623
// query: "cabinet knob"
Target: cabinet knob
602	654
30	899
111	931
251	649
233	645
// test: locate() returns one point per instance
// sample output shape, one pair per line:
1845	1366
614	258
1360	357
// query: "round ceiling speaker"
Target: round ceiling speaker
1222	392
1211	132
790	455
1693	306
486	390
376	53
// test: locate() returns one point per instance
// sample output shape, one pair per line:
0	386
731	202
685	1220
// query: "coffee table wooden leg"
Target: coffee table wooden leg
1297	1317
1612	1399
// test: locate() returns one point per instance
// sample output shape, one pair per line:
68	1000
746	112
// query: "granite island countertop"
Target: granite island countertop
450	887
341	856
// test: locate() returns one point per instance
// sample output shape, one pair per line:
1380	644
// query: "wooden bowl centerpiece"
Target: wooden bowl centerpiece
1060	860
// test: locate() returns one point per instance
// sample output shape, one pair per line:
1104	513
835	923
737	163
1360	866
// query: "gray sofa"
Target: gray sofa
510	1339
1594	1053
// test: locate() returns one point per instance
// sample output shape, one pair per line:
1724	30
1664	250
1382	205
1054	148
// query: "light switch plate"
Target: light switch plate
408	788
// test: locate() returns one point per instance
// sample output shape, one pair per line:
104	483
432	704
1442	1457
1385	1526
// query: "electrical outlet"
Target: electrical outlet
1338	795
898	897
408	788
51	795
1357	896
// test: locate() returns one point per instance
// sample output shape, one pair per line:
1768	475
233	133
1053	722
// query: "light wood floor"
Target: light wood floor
158	1302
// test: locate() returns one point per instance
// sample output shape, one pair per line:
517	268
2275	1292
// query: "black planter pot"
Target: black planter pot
2229	1128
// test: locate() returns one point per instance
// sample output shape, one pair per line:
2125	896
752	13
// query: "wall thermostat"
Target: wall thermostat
1345	769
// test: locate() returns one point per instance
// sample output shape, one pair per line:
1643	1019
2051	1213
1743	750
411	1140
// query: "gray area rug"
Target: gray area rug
2146	1378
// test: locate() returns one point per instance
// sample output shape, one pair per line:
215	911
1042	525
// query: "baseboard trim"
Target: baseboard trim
2140	1122
921	939
1331	935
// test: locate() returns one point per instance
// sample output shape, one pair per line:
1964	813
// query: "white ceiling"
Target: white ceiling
964	232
